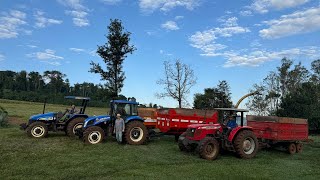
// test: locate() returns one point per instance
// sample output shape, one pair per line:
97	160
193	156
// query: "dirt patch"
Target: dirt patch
16	120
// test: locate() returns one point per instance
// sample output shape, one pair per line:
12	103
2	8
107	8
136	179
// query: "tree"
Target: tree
257	103
315	67
178	80
113	53
56	81
219	96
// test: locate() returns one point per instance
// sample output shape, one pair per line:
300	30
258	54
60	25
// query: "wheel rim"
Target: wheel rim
94	137
299	147
37	131
292	148
77	126
249	145
210	150
136	134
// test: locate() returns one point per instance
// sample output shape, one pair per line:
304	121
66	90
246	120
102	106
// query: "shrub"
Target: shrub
3	117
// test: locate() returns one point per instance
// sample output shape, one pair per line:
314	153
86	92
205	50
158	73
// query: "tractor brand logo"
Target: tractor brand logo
101	119
46	118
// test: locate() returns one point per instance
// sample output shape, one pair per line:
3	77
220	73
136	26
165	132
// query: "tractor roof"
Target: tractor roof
232	109
124	102
77	97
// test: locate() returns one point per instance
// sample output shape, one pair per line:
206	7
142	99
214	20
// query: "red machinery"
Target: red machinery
175	121
280	131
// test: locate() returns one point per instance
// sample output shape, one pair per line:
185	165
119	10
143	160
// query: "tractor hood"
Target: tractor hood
43	117
95	120
205	126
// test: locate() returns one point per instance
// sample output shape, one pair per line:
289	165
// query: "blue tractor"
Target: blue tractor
67	121
96	128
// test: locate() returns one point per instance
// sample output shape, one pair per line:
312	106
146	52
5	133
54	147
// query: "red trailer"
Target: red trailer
175	121
282	131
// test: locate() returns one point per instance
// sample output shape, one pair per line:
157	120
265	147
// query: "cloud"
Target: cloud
179	17
46	55
77	50
78	12
150	6
2	57
10	24
258	57
264	6
111	2
170	25
206	40
295	23
42	22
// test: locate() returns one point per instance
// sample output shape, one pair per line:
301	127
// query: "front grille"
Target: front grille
190	132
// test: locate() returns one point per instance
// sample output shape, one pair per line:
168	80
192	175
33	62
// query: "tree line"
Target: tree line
290	91
50	85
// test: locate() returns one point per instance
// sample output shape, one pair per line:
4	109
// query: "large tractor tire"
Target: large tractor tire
246	144
209	148
73	125
37	130
93	135
136	133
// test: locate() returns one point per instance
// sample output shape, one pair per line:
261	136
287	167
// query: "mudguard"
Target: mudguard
96	120
133	118
235	131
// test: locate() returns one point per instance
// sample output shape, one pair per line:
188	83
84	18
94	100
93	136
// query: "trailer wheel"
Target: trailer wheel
246	144
292	148
37	130
299	147
136	133
209	148
73	125
93	135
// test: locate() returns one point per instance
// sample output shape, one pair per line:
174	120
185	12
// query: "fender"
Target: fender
96	121
77	116
133	118
235	131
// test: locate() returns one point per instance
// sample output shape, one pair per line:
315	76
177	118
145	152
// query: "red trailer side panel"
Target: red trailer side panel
279	128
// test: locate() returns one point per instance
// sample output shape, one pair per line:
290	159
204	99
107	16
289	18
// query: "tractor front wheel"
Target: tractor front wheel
37	130
209	148
136	133
246	144
93	135
73	125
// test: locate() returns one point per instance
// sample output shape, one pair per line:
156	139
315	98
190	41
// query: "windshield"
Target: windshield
126	109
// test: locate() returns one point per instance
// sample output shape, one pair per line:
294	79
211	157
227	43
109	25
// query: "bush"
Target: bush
3	117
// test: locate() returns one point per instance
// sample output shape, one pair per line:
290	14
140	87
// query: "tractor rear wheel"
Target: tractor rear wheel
73	125
209	148
93	135
135	133
37	130
246	144
299	147
292	148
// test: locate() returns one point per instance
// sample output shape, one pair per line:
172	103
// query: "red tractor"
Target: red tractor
227	135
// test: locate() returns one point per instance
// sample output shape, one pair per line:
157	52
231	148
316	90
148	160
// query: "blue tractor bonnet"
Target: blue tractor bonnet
43	117
95	120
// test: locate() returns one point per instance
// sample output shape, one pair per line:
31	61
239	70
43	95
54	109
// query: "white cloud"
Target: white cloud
170	25
32	46
2	57
150	6
78	50
295	23
42	22
206	40
48	54
10	24
258	57
263	6
111	2
179	17
78	12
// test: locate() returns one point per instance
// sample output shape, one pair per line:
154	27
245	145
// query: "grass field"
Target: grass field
59	157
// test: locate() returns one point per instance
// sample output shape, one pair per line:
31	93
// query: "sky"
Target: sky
239	41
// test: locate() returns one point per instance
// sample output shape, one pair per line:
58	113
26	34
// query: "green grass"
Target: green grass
59	157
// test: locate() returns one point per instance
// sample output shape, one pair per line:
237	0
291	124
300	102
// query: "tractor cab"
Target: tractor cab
126	108
231	118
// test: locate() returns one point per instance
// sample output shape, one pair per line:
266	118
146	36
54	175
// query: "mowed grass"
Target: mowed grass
61	157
